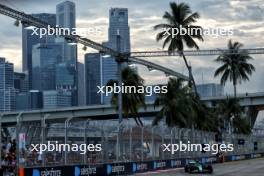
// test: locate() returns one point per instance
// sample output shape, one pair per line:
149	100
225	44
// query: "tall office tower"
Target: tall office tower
20	82
28	40
81	85
65	12
46	56
31	100
66	18
93	77
118	25
100	69
56	99
210	90
7	90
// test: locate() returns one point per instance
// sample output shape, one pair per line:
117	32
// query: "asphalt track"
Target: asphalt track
253	167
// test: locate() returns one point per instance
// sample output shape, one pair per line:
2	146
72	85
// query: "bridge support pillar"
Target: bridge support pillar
251	113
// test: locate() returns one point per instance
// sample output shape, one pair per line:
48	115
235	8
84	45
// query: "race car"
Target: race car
197	167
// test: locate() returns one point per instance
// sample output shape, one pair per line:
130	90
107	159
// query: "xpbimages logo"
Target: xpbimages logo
148	90
55	146
182	147
197	31
62	31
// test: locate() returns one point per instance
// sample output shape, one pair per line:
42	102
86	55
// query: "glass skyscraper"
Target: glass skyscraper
99	69
29	40
93	77
67	75
7	90
56	99
46	56
118	25
81	85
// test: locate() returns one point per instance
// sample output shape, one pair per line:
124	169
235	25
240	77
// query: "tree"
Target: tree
235	66
230	115
179	18
175	105
204	117
131	101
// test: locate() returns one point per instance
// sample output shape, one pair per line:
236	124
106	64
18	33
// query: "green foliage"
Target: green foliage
180	16
230	113
131	101
235	66
182	108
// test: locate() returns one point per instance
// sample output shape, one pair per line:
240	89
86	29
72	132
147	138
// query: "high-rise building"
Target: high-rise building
32	100
100	69
81	85
7	90
56	99
65	13
93	75
66	18
21	82
210	90
46	56
118	25
28	40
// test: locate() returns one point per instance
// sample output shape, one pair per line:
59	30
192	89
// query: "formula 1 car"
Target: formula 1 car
196	167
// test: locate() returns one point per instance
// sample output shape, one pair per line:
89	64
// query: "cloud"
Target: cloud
244	17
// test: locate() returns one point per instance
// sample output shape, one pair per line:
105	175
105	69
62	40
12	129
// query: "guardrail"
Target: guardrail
126	168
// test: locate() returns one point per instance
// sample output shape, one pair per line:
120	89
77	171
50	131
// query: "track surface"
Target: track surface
254	167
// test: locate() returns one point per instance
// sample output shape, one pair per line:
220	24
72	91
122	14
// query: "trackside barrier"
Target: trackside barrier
126	167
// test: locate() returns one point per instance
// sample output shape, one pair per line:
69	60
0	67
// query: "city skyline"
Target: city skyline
248	27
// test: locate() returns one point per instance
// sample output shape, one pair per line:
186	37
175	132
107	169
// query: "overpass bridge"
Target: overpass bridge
252	103
95	112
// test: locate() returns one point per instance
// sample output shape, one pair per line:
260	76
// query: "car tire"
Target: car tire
210	170
186	169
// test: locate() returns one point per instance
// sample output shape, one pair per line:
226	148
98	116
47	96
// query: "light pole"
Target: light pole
120	103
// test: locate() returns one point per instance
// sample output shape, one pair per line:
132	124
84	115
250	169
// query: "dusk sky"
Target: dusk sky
246	18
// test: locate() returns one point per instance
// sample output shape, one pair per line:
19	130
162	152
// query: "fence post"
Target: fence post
18	125
118	143
179	138
1	115
66	123
142	142
162	139
85	140
152	143
171	140
130	143
43	137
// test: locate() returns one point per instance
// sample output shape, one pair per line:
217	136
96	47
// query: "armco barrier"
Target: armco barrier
124	168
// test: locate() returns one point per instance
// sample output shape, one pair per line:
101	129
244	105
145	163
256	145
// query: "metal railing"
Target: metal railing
137	143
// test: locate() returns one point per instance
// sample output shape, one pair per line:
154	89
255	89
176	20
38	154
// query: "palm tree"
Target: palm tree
175	105
235	66
231	114
179	18
181	107
131	101
203	116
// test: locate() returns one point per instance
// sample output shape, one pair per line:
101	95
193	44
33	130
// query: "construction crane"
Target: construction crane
30	20
194	52
133	57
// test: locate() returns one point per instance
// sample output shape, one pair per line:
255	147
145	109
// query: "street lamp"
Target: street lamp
120	103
